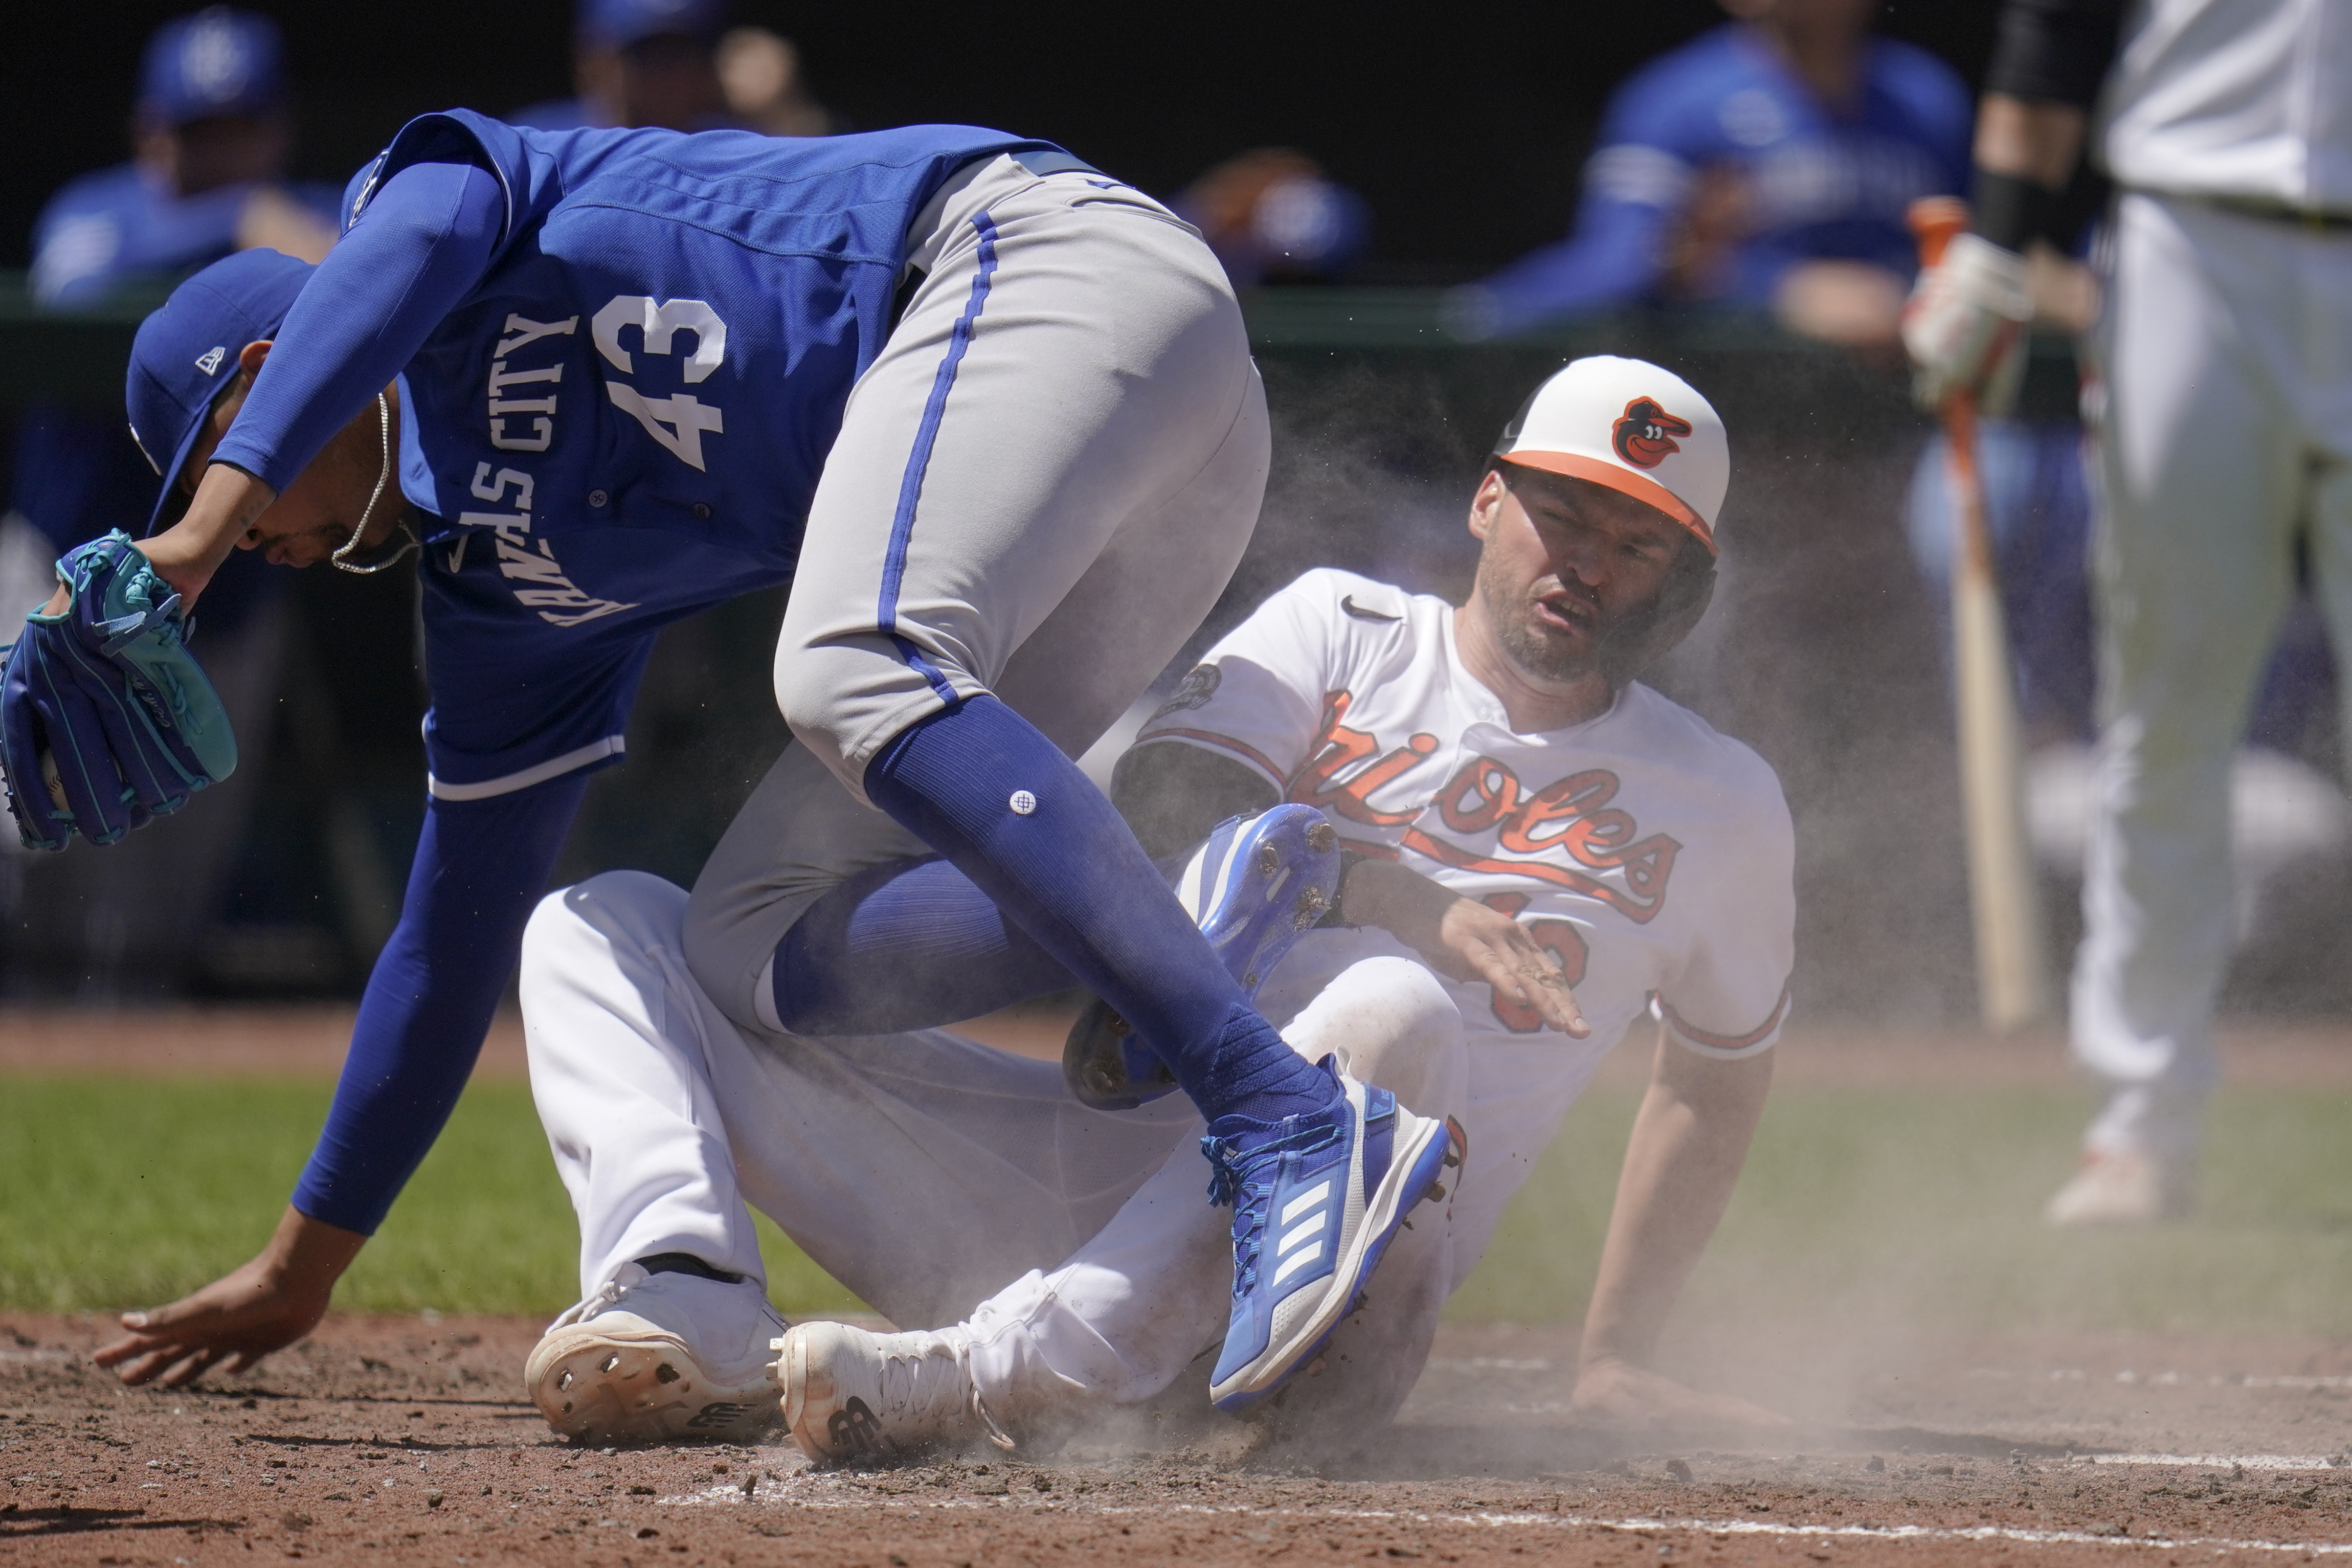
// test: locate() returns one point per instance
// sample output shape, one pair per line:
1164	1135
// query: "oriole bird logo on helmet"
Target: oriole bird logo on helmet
1645	433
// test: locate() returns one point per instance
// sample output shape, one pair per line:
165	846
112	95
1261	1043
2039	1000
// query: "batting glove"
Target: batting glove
1965	326
106	719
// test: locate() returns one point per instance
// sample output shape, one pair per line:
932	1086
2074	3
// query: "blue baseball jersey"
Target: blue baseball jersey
575	114
621	371
116	224
624	419
1803	179
553	114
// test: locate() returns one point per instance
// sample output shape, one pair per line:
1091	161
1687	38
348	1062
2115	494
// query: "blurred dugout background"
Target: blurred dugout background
1444	152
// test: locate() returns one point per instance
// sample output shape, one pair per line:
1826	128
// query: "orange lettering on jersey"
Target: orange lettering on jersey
1647	866
1641	908
1567	831
1562	803
1318	784
1493	787
1590	838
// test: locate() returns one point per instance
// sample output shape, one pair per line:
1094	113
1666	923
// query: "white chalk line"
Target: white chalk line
2217	1461
735	1496
2296	1382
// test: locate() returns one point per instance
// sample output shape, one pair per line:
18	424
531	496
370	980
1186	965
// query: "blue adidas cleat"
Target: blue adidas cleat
1252	887
1316	1199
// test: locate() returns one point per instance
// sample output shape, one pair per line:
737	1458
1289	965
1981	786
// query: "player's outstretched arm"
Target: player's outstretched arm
480	867
237	1319
1172	794
1462	937
1688	1144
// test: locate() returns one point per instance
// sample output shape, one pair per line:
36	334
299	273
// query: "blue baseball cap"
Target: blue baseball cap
217	61
618	23
186	352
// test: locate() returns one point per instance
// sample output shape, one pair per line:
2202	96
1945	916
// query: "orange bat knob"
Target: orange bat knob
1936	219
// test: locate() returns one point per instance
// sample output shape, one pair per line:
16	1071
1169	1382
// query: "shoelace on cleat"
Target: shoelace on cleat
1243	1179
1231	1183
627	1278
925	1385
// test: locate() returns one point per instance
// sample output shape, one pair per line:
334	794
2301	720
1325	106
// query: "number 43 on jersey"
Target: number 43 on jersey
679	420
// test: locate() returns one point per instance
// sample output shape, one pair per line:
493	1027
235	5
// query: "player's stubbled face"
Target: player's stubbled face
314	514
1564	562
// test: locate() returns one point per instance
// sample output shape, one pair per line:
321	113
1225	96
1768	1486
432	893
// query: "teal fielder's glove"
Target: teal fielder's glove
106	719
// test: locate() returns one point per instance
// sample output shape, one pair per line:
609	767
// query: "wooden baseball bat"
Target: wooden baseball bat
2004	893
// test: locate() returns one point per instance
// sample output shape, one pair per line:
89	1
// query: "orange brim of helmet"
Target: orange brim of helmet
1624	481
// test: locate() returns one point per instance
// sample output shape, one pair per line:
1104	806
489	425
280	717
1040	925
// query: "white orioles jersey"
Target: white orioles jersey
1650	854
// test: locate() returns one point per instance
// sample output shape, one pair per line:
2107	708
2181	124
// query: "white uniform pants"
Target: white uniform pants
1039	490
2228	430
943	1181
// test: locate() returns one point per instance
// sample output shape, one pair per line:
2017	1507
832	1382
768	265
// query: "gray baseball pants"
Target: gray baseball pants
1039	490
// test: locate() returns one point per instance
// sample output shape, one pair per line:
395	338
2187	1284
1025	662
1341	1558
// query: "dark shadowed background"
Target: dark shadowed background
1463	125
1464	128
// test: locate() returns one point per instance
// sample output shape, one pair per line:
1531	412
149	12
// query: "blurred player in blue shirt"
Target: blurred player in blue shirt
664	65
1766	164
1273	216
210	136
211	139
639	63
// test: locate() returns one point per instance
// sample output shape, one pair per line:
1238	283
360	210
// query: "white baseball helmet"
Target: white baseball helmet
1624	423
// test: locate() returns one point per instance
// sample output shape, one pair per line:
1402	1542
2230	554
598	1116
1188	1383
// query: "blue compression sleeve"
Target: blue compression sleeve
424	240
906	945
1070	873
481	869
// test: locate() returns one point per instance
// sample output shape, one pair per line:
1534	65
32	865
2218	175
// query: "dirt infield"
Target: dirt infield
406	1439
401	1439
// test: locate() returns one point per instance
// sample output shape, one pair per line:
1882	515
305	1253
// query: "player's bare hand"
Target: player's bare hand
1465	938
1619	1393
237	1319
1474	942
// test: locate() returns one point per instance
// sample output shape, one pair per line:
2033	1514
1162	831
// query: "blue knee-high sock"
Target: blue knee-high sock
906	945
1070	873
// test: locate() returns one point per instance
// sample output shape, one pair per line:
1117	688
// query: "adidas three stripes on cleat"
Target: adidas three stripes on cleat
1317	1199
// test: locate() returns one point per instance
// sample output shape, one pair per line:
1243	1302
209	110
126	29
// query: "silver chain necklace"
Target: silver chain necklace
342	558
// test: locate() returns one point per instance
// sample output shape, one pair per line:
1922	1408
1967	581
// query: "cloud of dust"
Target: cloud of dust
1891	1221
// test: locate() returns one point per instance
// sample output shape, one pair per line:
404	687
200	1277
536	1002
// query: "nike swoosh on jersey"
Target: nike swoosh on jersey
1348	602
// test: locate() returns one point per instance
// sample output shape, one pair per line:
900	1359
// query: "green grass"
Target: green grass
1917	1206
117	1193
1923	1207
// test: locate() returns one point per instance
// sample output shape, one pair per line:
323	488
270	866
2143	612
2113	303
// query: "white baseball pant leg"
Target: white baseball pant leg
2228	429
927	1174
920	1170
1039	490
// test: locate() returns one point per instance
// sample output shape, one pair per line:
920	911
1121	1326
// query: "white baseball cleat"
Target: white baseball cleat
653	1357
851	1395
2121	1187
